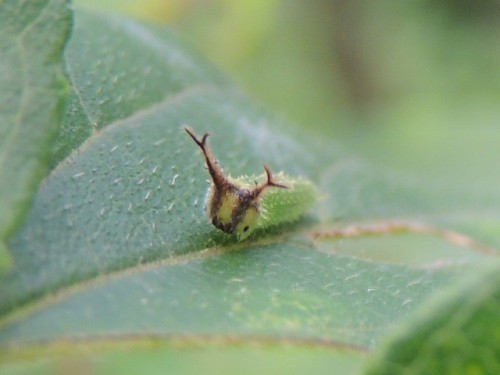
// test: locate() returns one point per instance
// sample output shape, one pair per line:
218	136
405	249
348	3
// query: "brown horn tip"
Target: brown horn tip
270	179
201	142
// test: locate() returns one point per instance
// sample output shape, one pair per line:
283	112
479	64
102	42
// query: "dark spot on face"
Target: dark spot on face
246	228
228	227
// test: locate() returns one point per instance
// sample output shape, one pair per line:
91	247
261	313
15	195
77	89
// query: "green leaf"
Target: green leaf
118	68
117	246
32	38
457	333
160	357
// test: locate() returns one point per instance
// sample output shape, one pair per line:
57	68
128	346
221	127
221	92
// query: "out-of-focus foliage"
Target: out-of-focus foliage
403	83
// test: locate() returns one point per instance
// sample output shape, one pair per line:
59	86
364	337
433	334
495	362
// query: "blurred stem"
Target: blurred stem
349	42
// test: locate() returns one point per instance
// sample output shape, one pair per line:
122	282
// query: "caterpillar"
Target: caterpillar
241	205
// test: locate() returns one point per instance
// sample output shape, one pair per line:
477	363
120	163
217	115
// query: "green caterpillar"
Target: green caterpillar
241	205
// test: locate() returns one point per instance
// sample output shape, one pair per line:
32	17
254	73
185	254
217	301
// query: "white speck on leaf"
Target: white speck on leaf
172	183
407	301
157	143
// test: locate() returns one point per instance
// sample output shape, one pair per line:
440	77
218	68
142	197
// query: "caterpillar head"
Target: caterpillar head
232	207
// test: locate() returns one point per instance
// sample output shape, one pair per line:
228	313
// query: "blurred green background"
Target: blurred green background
412	85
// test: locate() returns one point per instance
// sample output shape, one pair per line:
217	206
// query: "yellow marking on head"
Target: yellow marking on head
224	214
247	223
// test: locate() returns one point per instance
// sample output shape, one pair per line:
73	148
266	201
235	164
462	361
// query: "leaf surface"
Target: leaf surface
118	246
32	39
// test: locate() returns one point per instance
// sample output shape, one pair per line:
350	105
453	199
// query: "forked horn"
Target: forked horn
271	181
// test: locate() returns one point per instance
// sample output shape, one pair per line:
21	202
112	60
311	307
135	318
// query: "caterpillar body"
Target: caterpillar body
241	205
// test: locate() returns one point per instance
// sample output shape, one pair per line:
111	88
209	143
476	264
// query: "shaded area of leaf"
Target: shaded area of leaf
457	334
283	289
166	357
32	38
418	250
